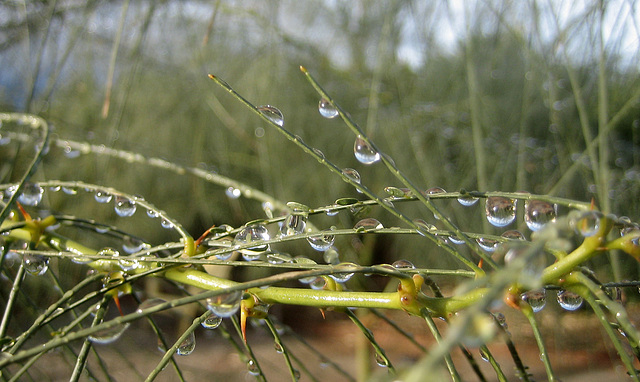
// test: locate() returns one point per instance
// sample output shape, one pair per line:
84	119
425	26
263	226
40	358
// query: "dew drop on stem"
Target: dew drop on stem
352	174
367	224
31	194
125	207
587	223
513	235
363	152
253	368
500	211
187	346
293	224
321	242
249	234
225	304
272	113
343	277
489	245
327	110
568	300
403	264
212	322
537	213
233	193
102	197
35	265
108	335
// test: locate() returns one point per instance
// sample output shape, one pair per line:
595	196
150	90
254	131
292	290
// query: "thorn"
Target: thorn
323	316
201	238
212	76
480	263
243	325
24	213
117	301
303	69
593	204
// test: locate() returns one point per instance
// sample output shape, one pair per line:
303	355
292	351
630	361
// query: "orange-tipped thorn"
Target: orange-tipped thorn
480	263
24	213
243	324
323	316
205	234
117	301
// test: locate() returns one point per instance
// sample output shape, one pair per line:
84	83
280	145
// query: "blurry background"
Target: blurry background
481	95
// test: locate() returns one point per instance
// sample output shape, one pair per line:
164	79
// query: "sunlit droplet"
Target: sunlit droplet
293	225
487	244
249	234
381	360
211	322
187	346
108	335
569	300
343	277
403	264
102	197
500	211
31	194
367	224
513	235
364	153
537	299
149	304
326	109
165	223
537	213
36	265
321	242
467	201
233	193
272	113
253	368
352	174
588	223
125	207
226	304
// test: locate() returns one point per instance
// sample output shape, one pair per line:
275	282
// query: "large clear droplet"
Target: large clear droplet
109	335
537	213
253	368
272	113
321	242
343	277
367	224
31	194
125	207
226	304
364	153
403	264
187	346
588	223
381	360
293	225
487	244
569	300
537	299
326	109
318	283
467	201
249	234
500	211
102	197
36	265
149	304
513	235
211	322
352	174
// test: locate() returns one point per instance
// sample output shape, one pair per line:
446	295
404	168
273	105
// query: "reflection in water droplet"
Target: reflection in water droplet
487	244
368	223
423	226
166	224
403	264
109	335
352	174
70	190
588	223
435	190
537	299
321	242
537	213
249	234
272	113
150	303
31	194
513	235
343	277
293	225
211	322
279	258
326	109
569	300
233	193
125	207
36	265
253	368
278	348
364	153
226	304
318	283
381	360
102	197
187	346
500	211
331	256
467	201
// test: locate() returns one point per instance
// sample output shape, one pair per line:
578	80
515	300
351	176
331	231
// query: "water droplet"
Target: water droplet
318	283
435	190
223	256
109	335
272	113
70	190
513	235
455	239
331	256
321	242
125	207
249	234
279	258
211	322
487	244
352	174
36	265
332	212
226	304
364	153
108	252
267	207
70	152
149	304
187	346
398	192
252	368
293	225
166	224
233	193
403	264
132	245
537	213
31	194
423	226
381	360
102	197
343	277
588	223
278	348
367	224
326	109
467	201
569	300
500	211
319	153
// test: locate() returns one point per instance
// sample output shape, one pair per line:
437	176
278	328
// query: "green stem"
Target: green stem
544	355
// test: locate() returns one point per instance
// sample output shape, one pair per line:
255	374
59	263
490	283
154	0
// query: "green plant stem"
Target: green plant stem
455	376
17	281
284	349
81	359
544	355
